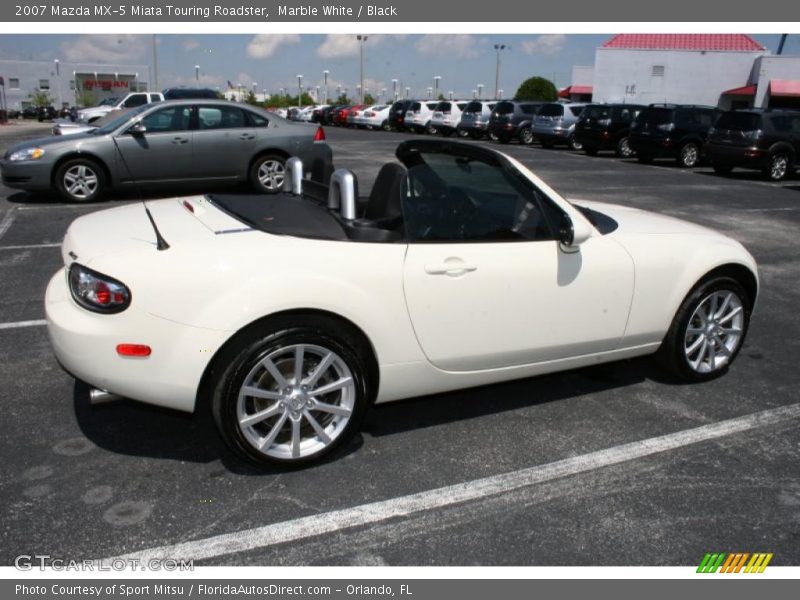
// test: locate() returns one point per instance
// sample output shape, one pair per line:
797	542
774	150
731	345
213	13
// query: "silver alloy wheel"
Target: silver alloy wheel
714	331
80	182
296	401
575	144
271	174
778	167
625	149
526	136
689	155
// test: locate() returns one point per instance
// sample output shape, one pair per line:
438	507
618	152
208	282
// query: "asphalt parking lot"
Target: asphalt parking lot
92	482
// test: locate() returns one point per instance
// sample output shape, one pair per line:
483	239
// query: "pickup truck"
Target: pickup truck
89	115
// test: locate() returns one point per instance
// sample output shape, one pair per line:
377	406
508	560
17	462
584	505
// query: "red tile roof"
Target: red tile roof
745	90
784	87
575	89
712	42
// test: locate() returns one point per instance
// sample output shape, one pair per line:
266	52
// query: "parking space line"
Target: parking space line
18	324
5	224
407	506
30	246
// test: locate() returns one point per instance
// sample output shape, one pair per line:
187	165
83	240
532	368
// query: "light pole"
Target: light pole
299	90
383	95
362	39
436	81
450	95
480	91
499	94
498	48
338	92
474	94
394	89
325	75
429	90
359	91
197	72
58	82
317	89
408	89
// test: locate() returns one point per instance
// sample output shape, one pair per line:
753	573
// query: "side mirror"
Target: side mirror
572	234
137	129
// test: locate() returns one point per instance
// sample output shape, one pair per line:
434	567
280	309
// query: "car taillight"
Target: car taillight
319	136
97	292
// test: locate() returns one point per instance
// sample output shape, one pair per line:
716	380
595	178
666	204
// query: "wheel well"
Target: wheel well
740	273
277	151
287	318
74	155
782	147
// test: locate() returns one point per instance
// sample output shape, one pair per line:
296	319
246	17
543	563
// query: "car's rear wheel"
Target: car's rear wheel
463	133
574	144
778	167
385	126
624	149
689	155
708	330
291	395
526	136
268	173
430	129
80	180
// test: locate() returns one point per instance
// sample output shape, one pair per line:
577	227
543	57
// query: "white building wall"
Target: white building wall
773	67
689	77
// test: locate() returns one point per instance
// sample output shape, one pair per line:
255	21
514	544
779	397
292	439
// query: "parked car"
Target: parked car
513	120
376	117
13	113
418	116
30	112
673	131
606	127
555	124
397	114
475	119
343	113
354	115
347	309
190	93
69	127
320	113
180	141
446	116
767	141
46	113
89	115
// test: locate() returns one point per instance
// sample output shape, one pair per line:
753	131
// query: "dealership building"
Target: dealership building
67	82
725	70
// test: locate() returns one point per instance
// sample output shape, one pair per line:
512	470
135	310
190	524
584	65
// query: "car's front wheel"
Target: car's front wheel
80	180
708	330
291	395
689	155
624	149
574	144
268	173
385	126
526	136
778	167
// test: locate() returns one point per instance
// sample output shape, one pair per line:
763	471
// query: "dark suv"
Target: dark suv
397	114
676	131
606	127
511	120
752	139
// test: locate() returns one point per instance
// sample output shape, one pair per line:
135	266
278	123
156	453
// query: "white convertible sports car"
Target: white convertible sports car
290	314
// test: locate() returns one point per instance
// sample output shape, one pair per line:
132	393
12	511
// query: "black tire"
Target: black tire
80	180
574	144
246	357
722	169
526	136
590	150
268	173
623	149
672	353
385	126
779	166
430	129
462	133
689	155
645	158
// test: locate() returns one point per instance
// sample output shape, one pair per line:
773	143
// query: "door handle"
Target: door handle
247	136
180	140
451	269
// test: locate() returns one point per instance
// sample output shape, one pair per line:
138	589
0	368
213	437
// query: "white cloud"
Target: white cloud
106	48
265	45
545	44
341	45
190	44
448	46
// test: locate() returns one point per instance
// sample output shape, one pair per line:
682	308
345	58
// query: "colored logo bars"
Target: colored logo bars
735	562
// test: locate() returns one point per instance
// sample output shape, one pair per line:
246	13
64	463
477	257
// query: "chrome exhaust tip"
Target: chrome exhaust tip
101	397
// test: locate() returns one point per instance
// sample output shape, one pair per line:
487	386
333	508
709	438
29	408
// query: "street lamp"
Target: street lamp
362	39
58	81
383	95
480	91
436	81
317	89
408	89
450	95
325	75
197	72
499	94
299	90
394	89
429	90
498	48
474	94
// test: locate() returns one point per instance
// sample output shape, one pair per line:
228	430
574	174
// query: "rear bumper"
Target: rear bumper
85	345
737	156
25	175
551	133
591	138
503	129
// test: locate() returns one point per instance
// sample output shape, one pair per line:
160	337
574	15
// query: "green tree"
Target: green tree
40	98
537	88
441	97
250	98
369	99
343	99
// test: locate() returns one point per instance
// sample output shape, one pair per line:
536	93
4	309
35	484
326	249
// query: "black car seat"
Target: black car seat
384	206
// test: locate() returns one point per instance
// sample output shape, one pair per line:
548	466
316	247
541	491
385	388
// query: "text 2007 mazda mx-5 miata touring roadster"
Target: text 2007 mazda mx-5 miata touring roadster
291	314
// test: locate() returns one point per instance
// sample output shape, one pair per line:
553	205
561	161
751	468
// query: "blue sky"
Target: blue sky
273	61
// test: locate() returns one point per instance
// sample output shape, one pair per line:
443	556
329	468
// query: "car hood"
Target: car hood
635	220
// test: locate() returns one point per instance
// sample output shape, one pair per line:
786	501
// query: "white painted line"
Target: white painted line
18	324
5	224
30	246
325	523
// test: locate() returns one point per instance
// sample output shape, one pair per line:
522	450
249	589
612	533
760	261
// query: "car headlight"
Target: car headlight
97	292
26	154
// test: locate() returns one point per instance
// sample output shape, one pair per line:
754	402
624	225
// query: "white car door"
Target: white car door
487	285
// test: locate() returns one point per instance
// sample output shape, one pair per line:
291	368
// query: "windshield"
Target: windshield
118	119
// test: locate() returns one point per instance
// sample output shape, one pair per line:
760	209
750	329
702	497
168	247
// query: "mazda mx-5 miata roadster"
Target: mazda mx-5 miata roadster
289	315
